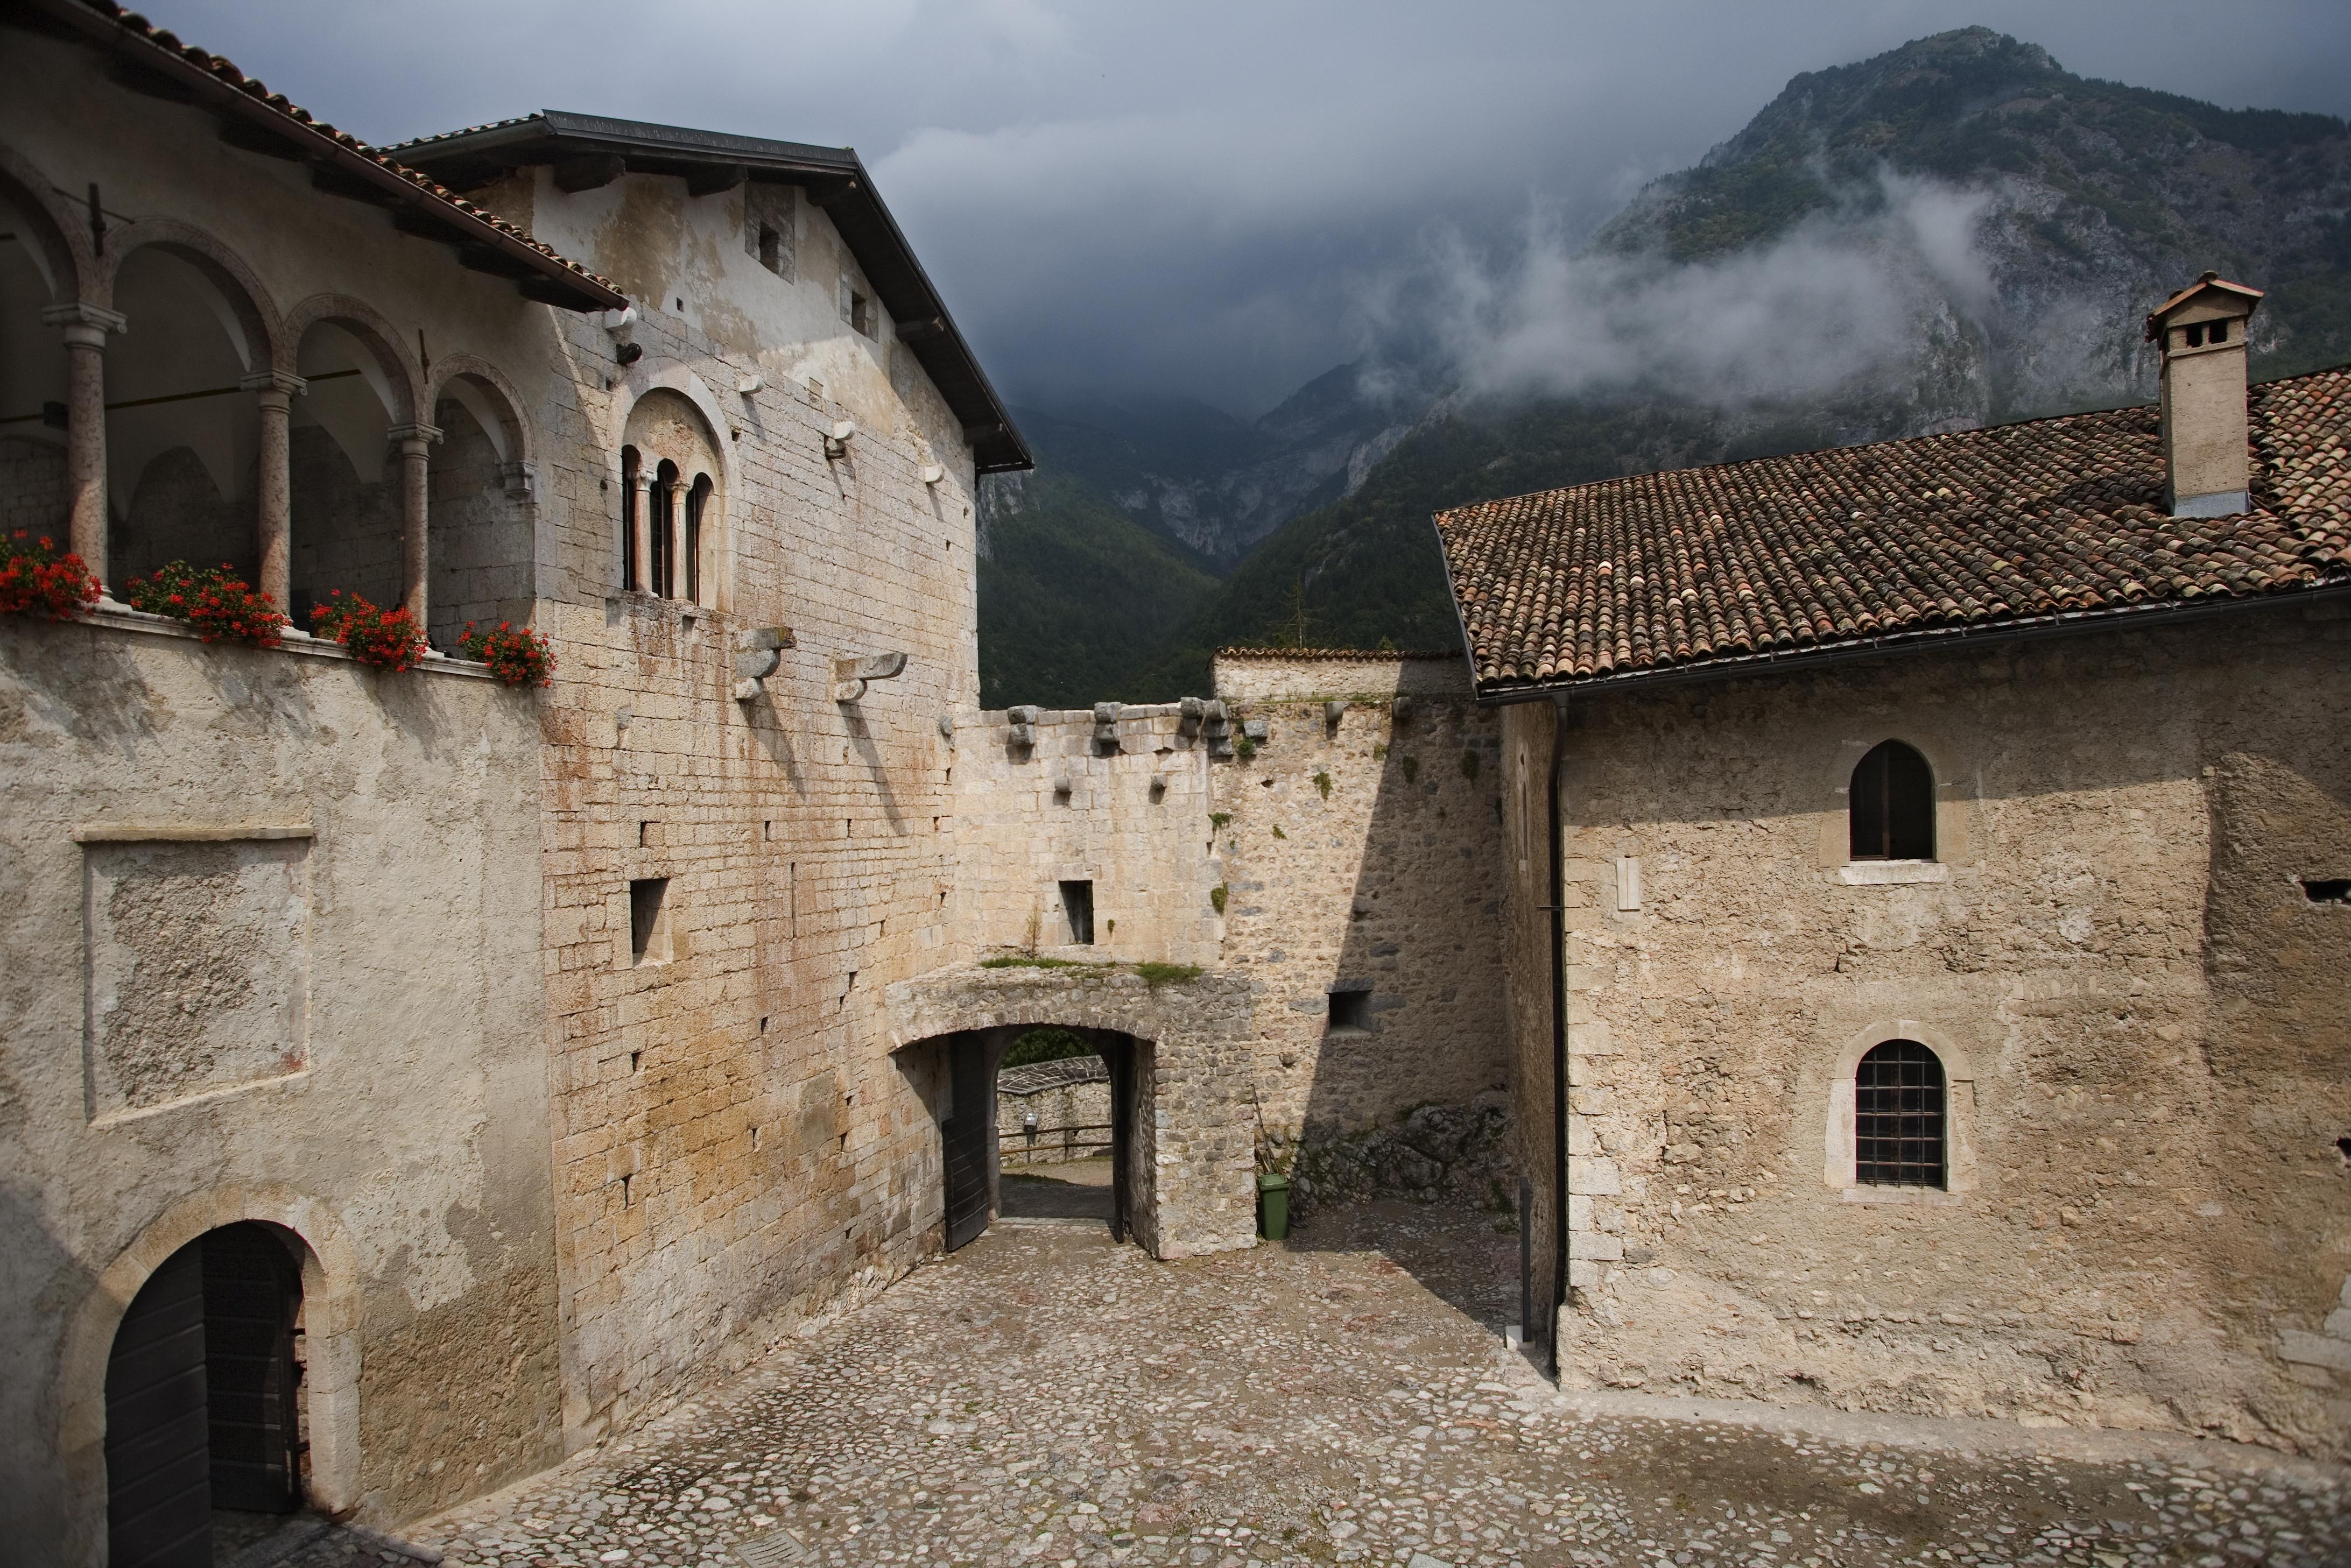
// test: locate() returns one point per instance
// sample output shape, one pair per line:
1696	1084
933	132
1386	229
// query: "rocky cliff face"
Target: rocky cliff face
2084	202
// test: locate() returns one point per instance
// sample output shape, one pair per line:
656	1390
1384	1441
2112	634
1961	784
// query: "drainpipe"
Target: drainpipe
1558	1041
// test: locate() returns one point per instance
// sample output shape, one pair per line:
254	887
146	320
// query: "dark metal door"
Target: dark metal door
159	1499
1120	1060
963	1137
251	1294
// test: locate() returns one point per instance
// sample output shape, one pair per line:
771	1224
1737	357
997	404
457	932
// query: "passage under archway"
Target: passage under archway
202	1414
1075	1161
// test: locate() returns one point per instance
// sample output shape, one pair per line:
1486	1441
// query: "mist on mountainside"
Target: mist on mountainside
1953	234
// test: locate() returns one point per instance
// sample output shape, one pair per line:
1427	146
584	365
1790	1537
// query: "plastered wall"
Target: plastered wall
2116	962
361	858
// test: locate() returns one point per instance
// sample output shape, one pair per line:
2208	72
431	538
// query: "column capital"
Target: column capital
422	435
274	381
92	322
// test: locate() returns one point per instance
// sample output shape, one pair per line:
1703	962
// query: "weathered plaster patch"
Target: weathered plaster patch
196	961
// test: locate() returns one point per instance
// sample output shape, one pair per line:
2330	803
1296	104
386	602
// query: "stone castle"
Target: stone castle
520	1057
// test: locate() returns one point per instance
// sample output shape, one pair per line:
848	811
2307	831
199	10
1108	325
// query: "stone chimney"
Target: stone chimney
2202	333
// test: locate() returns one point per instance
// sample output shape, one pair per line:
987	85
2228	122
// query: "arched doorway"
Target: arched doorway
204	1425
973	1139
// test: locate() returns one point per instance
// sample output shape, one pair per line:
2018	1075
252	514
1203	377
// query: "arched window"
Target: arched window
631	570
664	529
1897	1116
695	500
1892	805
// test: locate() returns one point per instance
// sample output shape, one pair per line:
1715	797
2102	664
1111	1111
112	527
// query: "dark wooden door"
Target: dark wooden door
159	1495
251	1296
1120	1060
964	1139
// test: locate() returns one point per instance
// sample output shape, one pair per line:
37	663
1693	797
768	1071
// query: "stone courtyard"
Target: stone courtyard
1046	1396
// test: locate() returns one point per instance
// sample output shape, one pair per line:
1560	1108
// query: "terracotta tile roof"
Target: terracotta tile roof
1350	654
1979	530
156	49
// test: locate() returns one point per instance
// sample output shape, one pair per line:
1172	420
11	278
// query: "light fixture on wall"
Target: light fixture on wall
836	445
933	473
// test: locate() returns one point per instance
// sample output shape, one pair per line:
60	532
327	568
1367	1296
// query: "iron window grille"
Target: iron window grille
1897	1116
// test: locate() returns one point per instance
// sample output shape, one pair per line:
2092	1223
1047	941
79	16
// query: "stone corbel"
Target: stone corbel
757	650
1106	729
1024	725
849	675
521	480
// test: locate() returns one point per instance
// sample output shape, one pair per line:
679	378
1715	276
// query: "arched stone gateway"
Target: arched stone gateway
1187	1178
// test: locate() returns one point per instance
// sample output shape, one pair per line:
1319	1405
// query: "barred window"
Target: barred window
1893	805
1897	1116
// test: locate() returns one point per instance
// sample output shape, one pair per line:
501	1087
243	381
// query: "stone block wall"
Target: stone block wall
735	1146
1360	844
1118	798
33	487
2117	960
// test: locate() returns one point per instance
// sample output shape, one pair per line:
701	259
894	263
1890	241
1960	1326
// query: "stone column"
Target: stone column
645	533
274	392
415	442
85	327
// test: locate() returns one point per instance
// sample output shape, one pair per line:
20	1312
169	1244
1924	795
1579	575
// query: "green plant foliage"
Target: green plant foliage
1030	960
1244	748
1217	896
1156	975
1216	819
1074	595
1277	833
1322	783
1047	1044
1411	767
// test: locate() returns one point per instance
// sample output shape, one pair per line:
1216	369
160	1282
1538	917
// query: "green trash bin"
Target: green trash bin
1272	1205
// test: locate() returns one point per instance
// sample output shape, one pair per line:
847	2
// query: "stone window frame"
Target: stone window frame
1962	1173
1955	800
724	541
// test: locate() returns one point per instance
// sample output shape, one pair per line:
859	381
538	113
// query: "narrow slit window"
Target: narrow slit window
1351	1009
665	530
1078	905
1892	805
697	503
1897	1116
771	247
649	940
631	568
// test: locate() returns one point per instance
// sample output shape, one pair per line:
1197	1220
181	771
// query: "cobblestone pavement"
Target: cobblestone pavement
1044	1396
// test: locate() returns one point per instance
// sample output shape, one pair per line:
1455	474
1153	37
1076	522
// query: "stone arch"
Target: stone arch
1194	1133
402	385
238	287
331	1304
480	521
61	240
1962	1173
182	435
490	395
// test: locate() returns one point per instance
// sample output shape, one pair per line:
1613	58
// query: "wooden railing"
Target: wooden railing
1020	1146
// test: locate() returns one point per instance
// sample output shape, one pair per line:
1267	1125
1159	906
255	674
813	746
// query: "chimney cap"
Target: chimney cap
2211	282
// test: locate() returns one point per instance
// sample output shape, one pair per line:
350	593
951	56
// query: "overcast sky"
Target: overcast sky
1197	197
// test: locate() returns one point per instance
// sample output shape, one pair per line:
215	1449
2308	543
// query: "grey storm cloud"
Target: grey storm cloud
1215	198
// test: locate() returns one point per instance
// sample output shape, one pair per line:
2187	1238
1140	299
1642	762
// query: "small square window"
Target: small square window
1351	1010
771	247
649	920
1078	903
